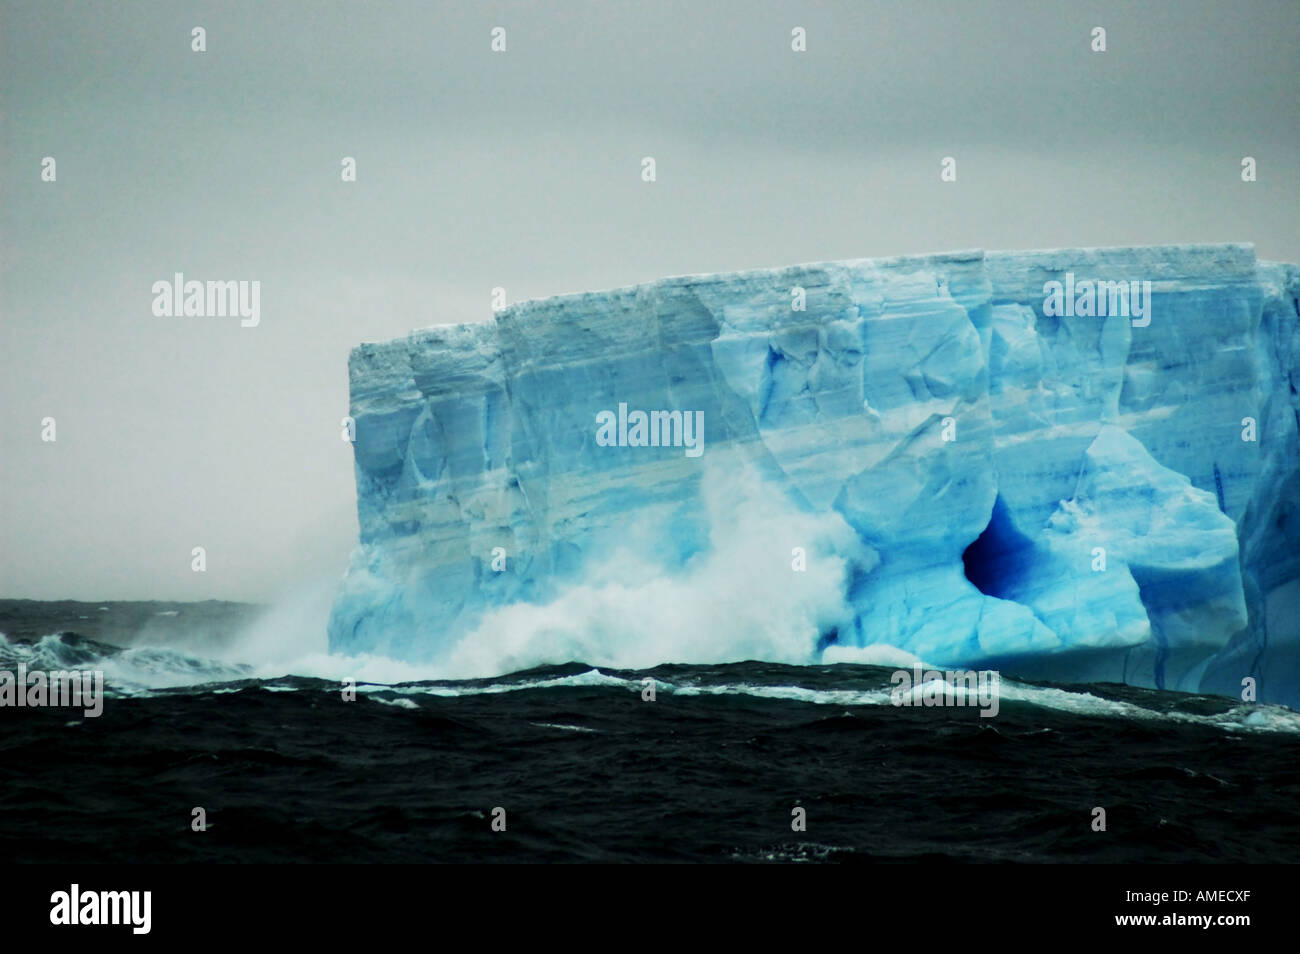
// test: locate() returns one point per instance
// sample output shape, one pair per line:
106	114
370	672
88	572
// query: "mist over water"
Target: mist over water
738	599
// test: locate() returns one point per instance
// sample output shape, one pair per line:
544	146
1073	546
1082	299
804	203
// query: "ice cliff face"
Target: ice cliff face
944	454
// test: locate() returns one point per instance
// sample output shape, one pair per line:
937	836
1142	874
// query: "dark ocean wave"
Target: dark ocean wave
586	769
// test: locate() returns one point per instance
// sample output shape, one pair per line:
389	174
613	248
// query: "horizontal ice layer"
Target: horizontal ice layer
1069	495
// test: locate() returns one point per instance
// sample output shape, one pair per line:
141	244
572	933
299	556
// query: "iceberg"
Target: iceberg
1074	465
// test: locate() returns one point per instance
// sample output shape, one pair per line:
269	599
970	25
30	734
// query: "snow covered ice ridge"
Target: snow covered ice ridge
931	457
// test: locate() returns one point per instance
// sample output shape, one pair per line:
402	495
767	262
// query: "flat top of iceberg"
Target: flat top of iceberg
1157	261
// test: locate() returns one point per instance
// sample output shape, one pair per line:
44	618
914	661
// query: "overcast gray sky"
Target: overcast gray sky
521	169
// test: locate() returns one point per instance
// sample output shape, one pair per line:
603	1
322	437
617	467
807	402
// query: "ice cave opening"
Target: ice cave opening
1000	557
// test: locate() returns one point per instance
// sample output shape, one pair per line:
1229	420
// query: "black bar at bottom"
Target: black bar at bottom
348	904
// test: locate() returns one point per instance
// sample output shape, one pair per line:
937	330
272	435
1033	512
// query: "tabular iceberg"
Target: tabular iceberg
1076	464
